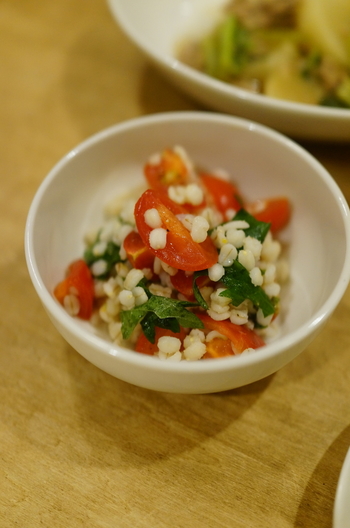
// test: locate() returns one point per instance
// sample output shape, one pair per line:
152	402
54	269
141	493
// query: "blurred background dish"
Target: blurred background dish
159	26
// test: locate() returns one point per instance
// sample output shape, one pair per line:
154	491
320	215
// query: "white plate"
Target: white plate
341	517
157	26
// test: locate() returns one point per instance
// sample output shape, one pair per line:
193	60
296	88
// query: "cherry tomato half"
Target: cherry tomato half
80	283
218	347
184	283
224	193
241	336
275	211
170	170
181	251
137	252
146	347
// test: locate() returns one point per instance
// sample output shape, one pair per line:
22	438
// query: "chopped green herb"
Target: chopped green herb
240	287
256	229
151	321
197	294
111	256
144	283
170	311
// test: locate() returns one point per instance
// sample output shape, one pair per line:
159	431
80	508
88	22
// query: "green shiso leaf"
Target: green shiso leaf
197	294
240	287
111	256
159	311
256	229
151	321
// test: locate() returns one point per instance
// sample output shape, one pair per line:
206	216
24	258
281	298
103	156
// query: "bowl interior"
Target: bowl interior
263	163
159	26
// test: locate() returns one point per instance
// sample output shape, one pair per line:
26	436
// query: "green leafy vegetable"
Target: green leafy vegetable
159	311
256	229
226	51
111	256
231	47
311	65
151	320
143	283
197	294
240	287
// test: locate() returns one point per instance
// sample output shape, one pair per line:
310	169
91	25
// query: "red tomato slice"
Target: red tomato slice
172	206
184	283
241	336
146	347
224	193
79	282
171	170
218	347
137	252
276	211
181	251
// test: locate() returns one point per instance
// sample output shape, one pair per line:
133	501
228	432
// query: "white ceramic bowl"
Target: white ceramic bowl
264	163
157	27
341	512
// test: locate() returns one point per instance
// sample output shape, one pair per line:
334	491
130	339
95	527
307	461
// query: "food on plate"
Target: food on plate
298	50
186	269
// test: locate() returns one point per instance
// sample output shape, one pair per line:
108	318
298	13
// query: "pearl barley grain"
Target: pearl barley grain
194	194
235	237
71	304
168	345
246	258
195	351
256	276
133	278
157	238
227	255
152	218
99	267
216	272
253	245
199	231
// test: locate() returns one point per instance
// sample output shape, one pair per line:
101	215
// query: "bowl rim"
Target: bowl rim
342	494
131	357
199	78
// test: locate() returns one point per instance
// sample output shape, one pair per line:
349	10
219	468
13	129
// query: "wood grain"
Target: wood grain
79	448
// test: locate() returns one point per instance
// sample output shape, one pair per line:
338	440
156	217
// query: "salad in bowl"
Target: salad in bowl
188	270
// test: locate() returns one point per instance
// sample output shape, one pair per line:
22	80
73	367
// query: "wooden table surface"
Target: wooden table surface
79	448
